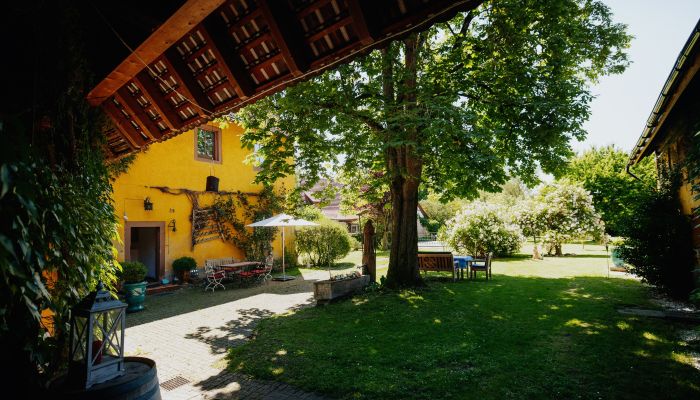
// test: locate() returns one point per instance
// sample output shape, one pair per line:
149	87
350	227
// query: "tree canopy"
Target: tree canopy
456	109
616	194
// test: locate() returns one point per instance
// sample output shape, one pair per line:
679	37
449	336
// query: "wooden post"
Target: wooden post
369	255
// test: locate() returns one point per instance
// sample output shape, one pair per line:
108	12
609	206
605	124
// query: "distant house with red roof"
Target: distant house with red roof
332	210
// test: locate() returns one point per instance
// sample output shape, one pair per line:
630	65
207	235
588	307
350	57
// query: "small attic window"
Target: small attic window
207	144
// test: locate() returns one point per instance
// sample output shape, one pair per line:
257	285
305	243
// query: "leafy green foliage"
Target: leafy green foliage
481	228
58	221
509	194
615	193
438	212
308	212
503	88
324	244
658	241
133	271
366	193
692	165
184	264
255	242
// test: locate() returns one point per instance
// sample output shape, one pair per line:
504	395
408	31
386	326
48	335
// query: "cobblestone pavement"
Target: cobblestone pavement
189	348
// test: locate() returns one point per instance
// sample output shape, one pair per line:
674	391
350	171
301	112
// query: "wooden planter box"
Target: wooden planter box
325	291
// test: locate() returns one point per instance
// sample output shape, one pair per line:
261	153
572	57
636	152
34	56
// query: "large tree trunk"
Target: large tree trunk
404	166
403	258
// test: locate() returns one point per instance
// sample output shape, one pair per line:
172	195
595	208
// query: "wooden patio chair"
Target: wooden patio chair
483	264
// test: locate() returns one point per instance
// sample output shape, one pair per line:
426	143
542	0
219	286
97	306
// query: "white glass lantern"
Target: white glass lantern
97	338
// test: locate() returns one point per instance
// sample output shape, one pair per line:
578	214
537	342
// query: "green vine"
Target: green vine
256	243
692	165
57	217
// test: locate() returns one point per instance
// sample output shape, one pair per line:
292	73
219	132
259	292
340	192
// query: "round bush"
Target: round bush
481	228
184	264
324	244
133	271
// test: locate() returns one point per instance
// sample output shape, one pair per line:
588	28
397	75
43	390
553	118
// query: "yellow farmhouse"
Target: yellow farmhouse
164	191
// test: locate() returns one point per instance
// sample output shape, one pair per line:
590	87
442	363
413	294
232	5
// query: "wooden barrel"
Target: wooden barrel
140	382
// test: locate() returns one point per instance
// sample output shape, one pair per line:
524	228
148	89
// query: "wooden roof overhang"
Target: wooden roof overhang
212	57
684	71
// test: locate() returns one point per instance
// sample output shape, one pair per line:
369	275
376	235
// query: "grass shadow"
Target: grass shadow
522	337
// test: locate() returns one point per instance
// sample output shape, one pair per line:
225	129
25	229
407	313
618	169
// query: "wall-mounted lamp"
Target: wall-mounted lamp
147	204
171	225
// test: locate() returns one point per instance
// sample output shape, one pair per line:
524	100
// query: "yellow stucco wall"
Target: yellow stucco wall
172	163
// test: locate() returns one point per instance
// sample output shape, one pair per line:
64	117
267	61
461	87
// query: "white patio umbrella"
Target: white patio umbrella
284	221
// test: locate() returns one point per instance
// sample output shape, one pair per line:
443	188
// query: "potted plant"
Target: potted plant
182	266
133	274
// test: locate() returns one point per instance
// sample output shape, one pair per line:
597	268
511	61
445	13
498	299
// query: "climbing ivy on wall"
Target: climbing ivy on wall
693	165
234	211
56	215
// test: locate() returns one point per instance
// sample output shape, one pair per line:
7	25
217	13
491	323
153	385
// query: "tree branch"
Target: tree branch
356	114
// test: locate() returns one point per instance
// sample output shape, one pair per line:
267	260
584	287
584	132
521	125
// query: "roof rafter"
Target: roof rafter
215	34
286	32
123	124
152	93
127	100
188	87
363	15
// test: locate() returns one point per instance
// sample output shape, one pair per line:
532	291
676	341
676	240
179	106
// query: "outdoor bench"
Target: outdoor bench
436	261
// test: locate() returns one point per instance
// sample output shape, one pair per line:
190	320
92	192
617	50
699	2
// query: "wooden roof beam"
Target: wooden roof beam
123	125
285	30
221	44
126	99
187	16
188	86
364	20
153	94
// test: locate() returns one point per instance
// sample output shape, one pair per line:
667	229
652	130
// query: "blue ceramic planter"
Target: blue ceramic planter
135	296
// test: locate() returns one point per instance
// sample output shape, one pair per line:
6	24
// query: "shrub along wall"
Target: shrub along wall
55	211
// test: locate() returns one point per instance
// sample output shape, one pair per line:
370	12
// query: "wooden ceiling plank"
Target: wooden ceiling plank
123	125
247	17
267	62
329	29
124	97
222	45
287	34
312	7
154	96
190	14
115	138
364	20
188	87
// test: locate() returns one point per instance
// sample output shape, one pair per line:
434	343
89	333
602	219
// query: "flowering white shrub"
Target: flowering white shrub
567	213
480	228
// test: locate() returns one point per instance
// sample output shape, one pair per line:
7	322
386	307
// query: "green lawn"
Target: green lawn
535	331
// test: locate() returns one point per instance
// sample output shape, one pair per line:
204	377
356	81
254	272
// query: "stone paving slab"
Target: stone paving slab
193	345
667	314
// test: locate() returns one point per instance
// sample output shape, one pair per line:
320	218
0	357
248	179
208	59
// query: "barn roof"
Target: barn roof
212	57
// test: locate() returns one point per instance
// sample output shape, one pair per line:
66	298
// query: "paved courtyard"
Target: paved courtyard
188	332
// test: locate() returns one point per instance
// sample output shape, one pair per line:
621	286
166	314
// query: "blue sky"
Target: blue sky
623	102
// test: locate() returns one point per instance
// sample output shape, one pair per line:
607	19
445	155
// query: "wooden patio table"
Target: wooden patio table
237	267
462	263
